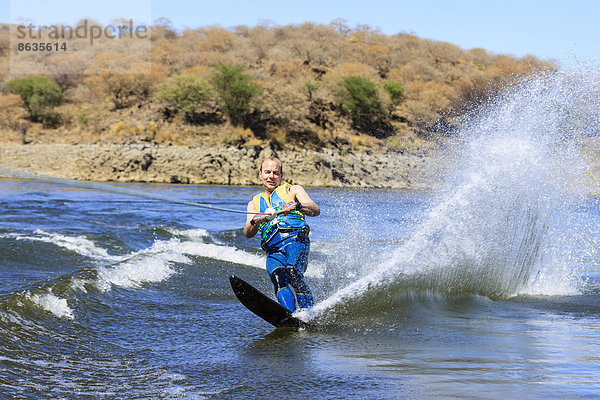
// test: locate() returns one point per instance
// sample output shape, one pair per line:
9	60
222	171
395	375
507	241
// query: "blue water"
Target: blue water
107	296
486	287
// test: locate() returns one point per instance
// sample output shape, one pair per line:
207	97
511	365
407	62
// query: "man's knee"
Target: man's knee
279	278
296	280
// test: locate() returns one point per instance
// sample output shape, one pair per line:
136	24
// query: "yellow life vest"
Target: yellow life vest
277	200
280	197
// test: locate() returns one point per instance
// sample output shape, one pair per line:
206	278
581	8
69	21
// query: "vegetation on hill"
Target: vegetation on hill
295	86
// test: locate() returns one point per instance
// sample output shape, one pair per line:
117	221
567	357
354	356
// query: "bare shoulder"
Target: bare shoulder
295	189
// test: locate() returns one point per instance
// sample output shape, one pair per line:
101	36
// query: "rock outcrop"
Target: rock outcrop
220	166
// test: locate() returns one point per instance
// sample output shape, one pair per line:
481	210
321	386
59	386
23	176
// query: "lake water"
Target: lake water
486	288
105	296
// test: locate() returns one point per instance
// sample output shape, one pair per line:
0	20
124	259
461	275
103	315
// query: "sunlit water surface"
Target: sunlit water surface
485	288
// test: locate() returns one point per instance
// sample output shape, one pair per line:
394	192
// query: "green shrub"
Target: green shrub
360	96
395	90
185	92
235	90
40	95
310	87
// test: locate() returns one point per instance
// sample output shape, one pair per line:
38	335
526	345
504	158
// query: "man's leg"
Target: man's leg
303	294
279	277
297	261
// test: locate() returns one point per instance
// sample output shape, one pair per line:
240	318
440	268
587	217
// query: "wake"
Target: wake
501	224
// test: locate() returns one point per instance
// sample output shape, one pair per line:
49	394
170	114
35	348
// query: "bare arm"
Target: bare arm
249	229
309	207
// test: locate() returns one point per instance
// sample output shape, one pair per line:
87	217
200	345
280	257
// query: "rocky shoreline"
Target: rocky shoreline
152	163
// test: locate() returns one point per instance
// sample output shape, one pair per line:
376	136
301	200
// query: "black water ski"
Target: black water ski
261	305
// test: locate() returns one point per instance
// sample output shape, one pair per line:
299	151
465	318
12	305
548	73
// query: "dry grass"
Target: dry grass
299	67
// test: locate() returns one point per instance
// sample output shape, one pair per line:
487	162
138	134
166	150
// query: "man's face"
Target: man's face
270	175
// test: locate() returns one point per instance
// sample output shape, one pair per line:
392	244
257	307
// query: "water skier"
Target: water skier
284	233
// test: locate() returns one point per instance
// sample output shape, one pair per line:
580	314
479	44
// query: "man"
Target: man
278	214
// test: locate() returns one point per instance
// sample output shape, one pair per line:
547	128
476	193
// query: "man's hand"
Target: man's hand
257	219
268	215
290	207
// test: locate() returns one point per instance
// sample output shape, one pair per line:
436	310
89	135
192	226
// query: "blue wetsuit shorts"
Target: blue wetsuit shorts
288	250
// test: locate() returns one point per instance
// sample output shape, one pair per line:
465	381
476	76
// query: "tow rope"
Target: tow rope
15	173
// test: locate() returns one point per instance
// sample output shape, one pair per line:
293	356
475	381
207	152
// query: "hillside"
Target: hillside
313	86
